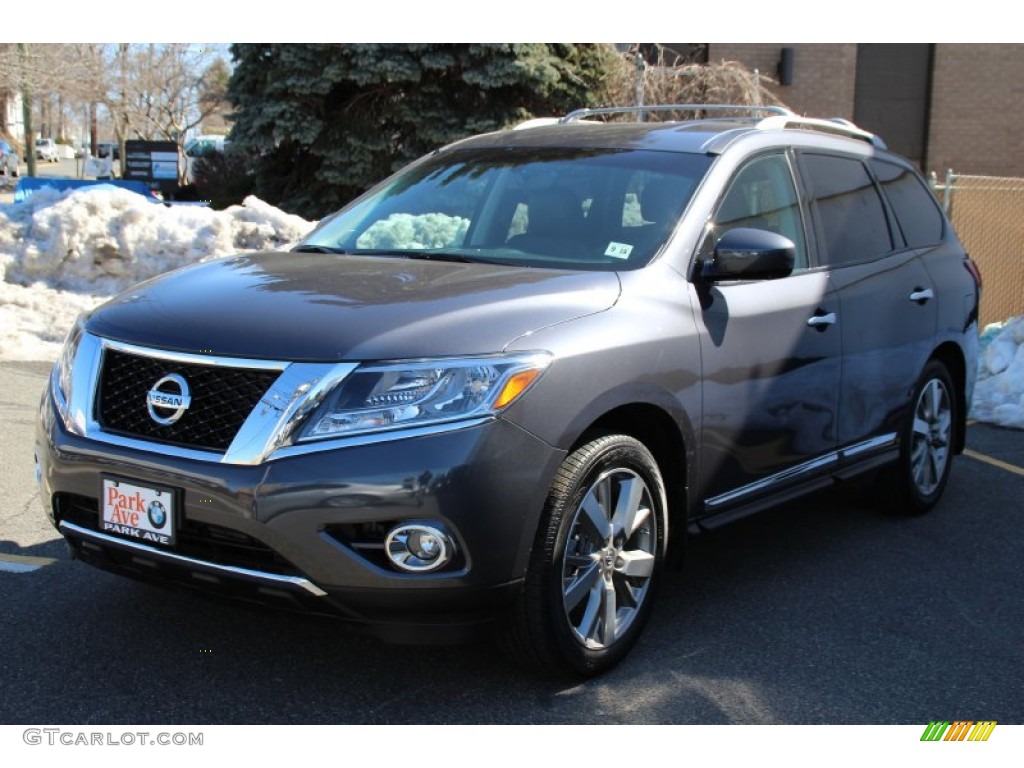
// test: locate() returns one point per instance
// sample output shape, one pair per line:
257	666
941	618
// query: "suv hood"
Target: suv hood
326	307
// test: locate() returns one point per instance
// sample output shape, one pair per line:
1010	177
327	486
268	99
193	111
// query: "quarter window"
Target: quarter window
915	206
849	210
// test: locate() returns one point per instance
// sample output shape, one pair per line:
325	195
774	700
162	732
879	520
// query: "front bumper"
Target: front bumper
304	532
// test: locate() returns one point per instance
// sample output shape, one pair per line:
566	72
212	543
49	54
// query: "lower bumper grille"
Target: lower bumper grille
196	539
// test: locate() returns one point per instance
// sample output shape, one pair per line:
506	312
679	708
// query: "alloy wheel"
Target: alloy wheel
609	558
931	436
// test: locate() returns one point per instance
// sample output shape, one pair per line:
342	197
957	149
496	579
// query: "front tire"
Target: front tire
596	561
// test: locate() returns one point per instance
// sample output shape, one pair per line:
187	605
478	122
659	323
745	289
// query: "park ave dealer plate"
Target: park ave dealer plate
138	512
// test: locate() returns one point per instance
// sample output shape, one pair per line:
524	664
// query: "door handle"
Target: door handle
921	295
820	321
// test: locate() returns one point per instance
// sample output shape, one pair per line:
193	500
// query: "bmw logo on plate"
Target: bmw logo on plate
157	514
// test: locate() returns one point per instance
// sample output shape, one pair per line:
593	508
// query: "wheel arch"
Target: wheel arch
660	433
952	356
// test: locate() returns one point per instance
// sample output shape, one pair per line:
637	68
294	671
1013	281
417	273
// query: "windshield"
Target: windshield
566	208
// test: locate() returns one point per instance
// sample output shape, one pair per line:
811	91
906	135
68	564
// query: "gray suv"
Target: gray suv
500	388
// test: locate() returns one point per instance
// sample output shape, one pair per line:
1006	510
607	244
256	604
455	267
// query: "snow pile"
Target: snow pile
999	393
105	239
35	319
65	252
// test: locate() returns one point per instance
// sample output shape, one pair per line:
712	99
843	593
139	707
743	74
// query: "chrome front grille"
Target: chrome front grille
221	399
238	411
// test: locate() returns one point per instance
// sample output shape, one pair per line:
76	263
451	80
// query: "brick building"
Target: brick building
945	105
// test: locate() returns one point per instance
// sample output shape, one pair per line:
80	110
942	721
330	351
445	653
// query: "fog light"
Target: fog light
418	547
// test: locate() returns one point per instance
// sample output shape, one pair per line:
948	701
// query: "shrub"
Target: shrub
222	178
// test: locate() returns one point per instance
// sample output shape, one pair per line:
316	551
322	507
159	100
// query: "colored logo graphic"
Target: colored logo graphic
959	730
157	514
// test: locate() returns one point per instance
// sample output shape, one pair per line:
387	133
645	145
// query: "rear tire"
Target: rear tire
595	564
916	483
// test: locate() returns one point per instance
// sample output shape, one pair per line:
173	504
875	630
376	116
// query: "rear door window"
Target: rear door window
848	209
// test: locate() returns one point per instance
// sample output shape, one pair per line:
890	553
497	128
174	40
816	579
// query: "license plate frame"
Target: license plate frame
138	511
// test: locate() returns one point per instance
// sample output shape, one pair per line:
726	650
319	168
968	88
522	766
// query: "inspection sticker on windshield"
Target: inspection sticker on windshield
618	250
138	512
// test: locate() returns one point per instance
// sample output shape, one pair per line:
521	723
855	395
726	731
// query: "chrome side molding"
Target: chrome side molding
808	468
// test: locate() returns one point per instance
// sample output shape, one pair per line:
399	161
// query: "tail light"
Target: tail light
971	267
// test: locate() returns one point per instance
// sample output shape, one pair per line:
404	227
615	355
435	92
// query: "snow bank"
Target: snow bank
999	393
106	239
65	252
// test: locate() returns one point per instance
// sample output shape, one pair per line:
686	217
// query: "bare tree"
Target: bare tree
55	80
146	91
36	72
665	78
177	87
43	66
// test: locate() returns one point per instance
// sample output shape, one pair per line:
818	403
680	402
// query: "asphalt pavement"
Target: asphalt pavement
824	611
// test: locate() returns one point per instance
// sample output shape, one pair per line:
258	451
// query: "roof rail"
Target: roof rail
836	125
579	114
535	122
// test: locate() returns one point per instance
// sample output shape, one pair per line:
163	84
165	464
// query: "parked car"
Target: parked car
46	149
9	159
500	388
201	146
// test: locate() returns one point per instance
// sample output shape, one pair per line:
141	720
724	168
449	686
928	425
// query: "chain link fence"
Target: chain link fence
988	215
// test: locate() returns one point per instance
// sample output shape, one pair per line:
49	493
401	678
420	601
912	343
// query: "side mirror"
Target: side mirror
750	254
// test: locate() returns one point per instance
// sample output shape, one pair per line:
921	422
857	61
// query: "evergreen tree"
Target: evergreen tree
329	120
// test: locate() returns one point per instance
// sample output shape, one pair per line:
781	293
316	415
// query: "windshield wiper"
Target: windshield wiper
312	248
433	255
439	256
474	256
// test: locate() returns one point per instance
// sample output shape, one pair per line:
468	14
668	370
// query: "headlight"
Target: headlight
63	369
405	395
